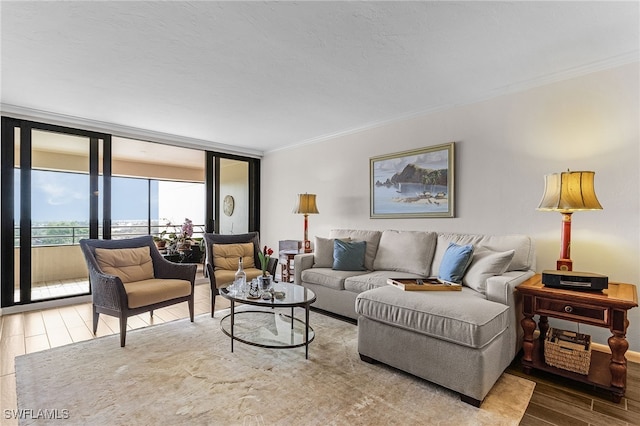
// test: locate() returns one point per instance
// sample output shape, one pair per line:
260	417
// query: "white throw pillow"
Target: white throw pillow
323	252
484	264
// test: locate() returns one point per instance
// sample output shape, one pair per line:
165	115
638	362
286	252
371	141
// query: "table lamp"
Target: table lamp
566	193
306	205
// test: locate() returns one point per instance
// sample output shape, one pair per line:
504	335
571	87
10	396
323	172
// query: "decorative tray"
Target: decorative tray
425	284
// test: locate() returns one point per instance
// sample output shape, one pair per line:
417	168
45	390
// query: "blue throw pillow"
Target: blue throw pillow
455	262
348	255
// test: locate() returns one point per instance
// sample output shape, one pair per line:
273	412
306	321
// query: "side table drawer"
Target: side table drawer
588	314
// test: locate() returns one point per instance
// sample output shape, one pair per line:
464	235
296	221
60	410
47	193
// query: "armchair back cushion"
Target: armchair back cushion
226	256
129	264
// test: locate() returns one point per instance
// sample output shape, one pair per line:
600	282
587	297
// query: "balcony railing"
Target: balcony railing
66	235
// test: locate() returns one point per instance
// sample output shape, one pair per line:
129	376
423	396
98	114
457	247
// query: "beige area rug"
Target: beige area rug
182	373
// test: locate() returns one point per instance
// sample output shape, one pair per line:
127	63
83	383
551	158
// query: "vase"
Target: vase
265	282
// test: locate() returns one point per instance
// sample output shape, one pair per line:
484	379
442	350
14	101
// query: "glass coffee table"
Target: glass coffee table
269	327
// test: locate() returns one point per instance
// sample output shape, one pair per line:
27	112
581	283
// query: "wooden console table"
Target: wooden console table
602	309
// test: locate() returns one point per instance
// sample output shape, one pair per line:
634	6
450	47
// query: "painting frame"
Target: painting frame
419	183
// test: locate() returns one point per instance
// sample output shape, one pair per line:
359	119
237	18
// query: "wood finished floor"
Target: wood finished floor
555	401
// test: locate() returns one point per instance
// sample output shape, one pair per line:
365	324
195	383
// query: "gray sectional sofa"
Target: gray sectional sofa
462	340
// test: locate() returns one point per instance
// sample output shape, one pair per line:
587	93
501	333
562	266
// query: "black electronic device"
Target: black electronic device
575	280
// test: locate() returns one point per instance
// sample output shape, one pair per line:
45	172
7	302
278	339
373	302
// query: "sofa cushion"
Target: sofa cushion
371	237
406	251
129	264
455	262
148	292
348	255
486	263
323	252
524	257
462	317
374	279
226	256
328	277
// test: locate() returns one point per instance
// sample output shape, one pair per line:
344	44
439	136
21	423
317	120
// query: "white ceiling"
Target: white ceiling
258	76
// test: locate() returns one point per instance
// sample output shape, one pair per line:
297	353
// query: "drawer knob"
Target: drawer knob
568	309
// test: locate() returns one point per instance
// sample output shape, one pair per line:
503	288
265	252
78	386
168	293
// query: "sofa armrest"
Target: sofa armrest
302	262
501	288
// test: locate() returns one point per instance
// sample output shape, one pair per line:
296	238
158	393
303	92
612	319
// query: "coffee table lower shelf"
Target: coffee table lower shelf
599	373
267	329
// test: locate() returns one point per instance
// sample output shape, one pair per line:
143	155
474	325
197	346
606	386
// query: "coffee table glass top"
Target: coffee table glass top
295	295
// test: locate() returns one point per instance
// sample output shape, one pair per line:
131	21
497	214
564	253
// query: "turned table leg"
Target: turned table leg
529	326
618	364
544	327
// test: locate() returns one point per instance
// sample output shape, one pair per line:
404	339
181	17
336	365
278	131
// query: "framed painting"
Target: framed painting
417	183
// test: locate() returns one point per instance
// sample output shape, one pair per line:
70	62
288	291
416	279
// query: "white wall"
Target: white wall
504	147
234	181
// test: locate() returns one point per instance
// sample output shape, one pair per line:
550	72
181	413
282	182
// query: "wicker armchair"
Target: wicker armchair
220	278
115	294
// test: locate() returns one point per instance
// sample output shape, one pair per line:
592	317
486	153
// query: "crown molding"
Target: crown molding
574	72
31	114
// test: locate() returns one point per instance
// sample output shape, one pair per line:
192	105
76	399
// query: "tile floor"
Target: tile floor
34	331
555	401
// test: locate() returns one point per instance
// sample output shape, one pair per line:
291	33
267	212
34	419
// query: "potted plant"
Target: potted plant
265	256
161	243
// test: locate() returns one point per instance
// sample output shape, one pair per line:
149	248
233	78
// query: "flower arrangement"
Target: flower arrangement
187	228
265	256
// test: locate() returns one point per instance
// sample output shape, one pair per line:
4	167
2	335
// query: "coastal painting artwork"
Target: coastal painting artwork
416	183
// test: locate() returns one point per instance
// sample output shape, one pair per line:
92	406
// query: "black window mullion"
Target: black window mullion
149	206
7	220
209	179
216	190
106	188
93	187
25	213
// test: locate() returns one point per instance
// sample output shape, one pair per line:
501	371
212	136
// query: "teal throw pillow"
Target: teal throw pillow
348	255
455	262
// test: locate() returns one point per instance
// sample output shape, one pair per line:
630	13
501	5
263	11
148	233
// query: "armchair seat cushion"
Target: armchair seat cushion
149	292
226	277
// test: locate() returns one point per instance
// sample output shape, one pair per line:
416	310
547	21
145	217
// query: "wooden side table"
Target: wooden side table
602	309
287	267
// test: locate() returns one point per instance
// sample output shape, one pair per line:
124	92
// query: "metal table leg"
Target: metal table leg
233	317
306	331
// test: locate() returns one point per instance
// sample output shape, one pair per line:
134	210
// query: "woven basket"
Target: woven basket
568	350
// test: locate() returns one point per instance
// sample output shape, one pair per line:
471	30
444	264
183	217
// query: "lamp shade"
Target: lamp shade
306	204
568	192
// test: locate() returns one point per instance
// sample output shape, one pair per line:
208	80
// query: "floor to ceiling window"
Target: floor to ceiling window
154	193
47	206
60	185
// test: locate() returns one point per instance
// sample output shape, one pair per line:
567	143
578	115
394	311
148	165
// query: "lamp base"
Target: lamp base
307	246
564	265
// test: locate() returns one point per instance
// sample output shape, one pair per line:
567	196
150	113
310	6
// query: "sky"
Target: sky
60	196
